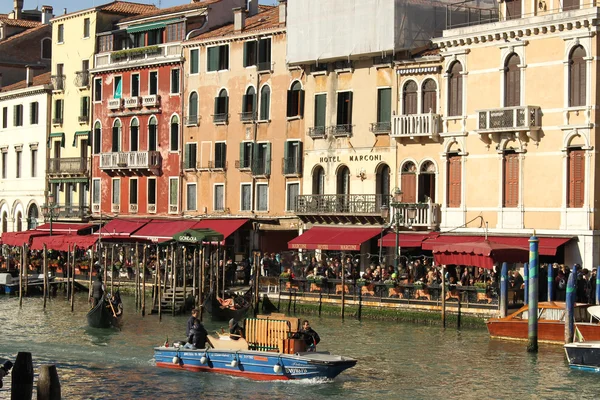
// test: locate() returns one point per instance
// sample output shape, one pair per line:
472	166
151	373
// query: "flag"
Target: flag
166	343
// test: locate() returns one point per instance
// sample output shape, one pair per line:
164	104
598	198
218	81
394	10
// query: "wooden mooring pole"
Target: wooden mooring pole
48	385
443	296
22	377
137	277
45	269
532	343
73	279
21	279
143	278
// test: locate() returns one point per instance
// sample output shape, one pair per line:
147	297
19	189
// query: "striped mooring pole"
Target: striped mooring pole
534	257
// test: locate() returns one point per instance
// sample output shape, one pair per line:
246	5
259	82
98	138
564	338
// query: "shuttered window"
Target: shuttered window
190	155
429	96
576	177
511	180
408	182
513	9
265	103
454	180
194	61
577	77
220	155
344	108
384	105
570	5
409	98
320	109
295	100
455	87
512	82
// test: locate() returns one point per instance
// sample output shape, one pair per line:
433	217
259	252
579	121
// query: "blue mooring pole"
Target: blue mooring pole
598	285
534	257
550	282
504	290
525	283
570	306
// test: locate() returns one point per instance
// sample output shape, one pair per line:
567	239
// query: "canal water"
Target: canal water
396	360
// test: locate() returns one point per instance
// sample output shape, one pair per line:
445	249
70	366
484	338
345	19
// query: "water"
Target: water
395	360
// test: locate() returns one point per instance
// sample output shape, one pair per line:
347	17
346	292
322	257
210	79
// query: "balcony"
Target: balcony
151	208
511	119
138	56
82	79
338	204
57	121
416	126
248	116
58	82
344	130
130	160
151	100
291	166
243	164
190	120
114	104
381	128
220	165
133	209
261	167
220	118
317	132
115	208
71	211
83	119
133	102
68	166
264	67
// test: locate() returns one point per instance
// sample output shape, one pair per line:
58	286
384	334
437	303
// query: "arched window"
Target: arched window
174	133
295	100
455	88
32	217
193	109
4	222
97	143
19	222
427	182
577	77
318	181
383	184
408	183
116	136
409	98
265	103
429	99
512	82
134	133
47	48
152	134
343	189
221	107
249	105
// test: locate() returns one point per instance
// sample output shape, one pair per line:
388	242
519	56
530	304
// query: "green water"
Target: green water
396	360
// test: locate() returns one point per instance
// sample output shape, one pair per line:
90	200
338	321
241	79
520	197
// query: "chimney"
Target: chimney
46	14
239	19
282	12
28	76
65	11
18	8
252	7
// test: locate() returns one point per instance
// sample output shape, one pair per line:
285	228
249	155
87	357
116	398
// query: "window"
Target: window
193	109
4	117
265	103
220	155
221	107
245	154
576	174
511	179
58	111
97	140
134	134
152	134
98	89
249	105
218	58
513	9
292	157
250	56
176	32
4	164
153	82
577	77
135	85
320	110
175	81
455	88
512	82
454	180
136	40
34	163
343	181
262	197
246	197
427	182
116	136
409	98
86	28
117	87
34	113
96	191
293	190
382	184
173	194
318	180
219	198
116	191
47	48
174	133
18	115
264	54
191	151
344	109
194	61
155	37
133	191
105	43
408	182
261	163
84	108
18	165
295	101
384	105
191	197
151	191
429	99
61	33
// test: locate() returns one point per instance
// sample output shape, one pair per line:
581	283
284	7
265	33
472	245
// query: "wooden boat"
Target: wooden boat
106	313
585	355
219	312
267	353
551	323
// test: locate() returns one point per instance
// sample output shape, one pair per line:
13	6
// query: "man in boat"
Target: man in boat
191	321
309	335
97	290
235	330
197	337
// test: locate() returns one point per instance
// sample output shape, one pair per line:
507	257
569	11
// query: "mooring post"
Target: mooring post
45	269
21	280
143	279
598	285
570	306
159	294
22	377
525	283
48	385
174	279
68	268
343	291
90	272
26	268
550	282
504	290
73	279
532	345
137	277
320	298
443	296
359	313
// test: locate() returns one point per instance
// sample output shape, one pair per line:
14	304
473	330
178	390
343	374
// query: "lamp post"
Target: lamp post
403	216
49	208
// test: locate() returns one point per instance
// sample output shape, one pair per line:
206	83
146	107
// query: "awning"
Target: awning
547	245
333	238
56	135
483	253
63	228
151	26
122	227
224	226
195	236
406	239
162	230
51	242
63	242
20	238
85	134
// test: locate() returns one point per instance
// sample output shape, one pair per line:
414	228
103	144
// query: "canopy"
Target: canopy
480	254
63	228
151	25
63	242
333	238
20	238
224	226
122	227
195	236
162	230
405	239
548	246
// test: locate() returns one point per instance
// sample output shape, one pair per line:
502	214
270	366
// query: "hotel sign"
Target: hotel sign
352	158
346	247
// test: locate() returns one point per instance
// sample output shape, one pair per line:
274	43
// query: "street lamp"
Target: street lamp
403	216
49	208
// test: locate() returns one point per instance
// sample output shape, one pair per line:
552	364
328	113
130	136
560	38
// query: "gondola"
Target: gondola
106	313
221	313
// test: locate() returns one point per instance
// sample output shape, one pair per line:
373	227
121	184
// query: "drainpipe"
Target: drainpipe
180	133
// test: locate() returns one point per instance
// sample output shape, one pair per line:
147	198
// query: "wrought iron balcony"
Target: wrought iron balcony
317	132
218	164
522	118
68	166
58	82
114	104
416	125
291	166
130	160
341	130
264	67
249	116
83	119
220	118
261	167
152	100
133	102
138	56
339	204
243	164
57	121
381	128
72	211
82	79
190	120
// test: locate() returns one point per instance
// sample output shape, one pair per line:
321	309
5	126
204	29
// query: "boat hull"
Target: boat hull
102	317
584	355
254	365
548	331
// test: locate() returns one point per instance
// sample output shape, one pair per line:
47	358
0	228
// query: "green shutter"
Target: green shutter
194	61
268	159
242	154
320	108
384	105
213	59
226	106
187	155
245	54
118	89
216	111
301	103
349	108
245	103
265	97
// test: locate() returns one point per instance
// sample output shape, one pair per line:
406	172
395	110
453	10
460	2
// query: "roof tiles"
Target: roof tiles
126	7
43	79
170	10
21	23
268	19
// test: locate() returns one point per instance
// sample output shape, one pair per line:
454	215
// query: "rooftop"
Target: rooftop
21	23
43	79
171	10
116	7
268	19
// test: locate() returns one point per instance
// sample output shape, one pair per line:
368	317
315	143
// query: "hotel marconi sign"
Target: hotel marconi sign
351	159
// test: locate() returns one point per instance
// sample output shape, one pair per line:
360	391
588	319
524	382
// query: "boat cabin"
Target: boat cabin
552	311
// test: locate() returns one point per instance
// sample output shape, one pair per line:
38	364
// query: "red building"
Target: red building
137	108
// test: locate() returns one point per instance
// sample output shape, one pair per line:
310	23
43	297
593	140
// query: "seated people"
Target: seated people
226	303
197	337
309	335
235	330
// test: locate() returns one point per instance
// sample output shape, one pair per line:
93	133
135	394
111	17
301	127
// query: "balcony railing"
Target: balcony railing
82	79
152	208
261	166
220	118
291	166
138	55
522	118
340	130
57	121
58	82
151	100
416	125
71	211
68	166
249	116
381	128
217	164
83	119
264	67
130	160
114	104
133	102
243	164
115	208
427	215
133	209
336	204
317	132
190	120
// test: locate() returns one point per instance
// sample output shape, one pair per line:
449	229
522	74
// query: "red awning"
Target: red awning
63	242
547	245
480	253
51	242
64	228
160	230
326	238
224	226
406	239
122	227
20	238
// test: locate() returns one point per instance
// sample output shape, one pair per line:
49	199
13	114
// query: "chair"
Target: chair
422	294
340	288
368	289
395	292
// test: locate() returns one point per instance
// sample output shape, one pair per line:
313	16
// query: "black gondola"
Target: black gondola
106	313
219	312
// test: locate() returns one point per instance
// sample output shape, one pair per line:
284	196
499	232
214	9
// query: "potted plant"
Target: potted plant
390	283
285	276
361	282
481	287
418	285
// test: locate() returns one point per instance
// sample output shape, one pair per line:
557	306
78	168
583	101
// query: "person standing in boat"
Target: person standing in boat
190	323
309	335
235	330
97	290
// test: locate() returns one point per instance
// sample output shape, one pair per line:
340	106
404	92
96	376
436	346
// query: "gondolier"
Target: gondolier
97	290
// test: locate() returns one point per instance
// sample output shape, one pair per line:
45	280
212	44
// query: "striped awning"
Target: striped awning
150	26
56	135
83	134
